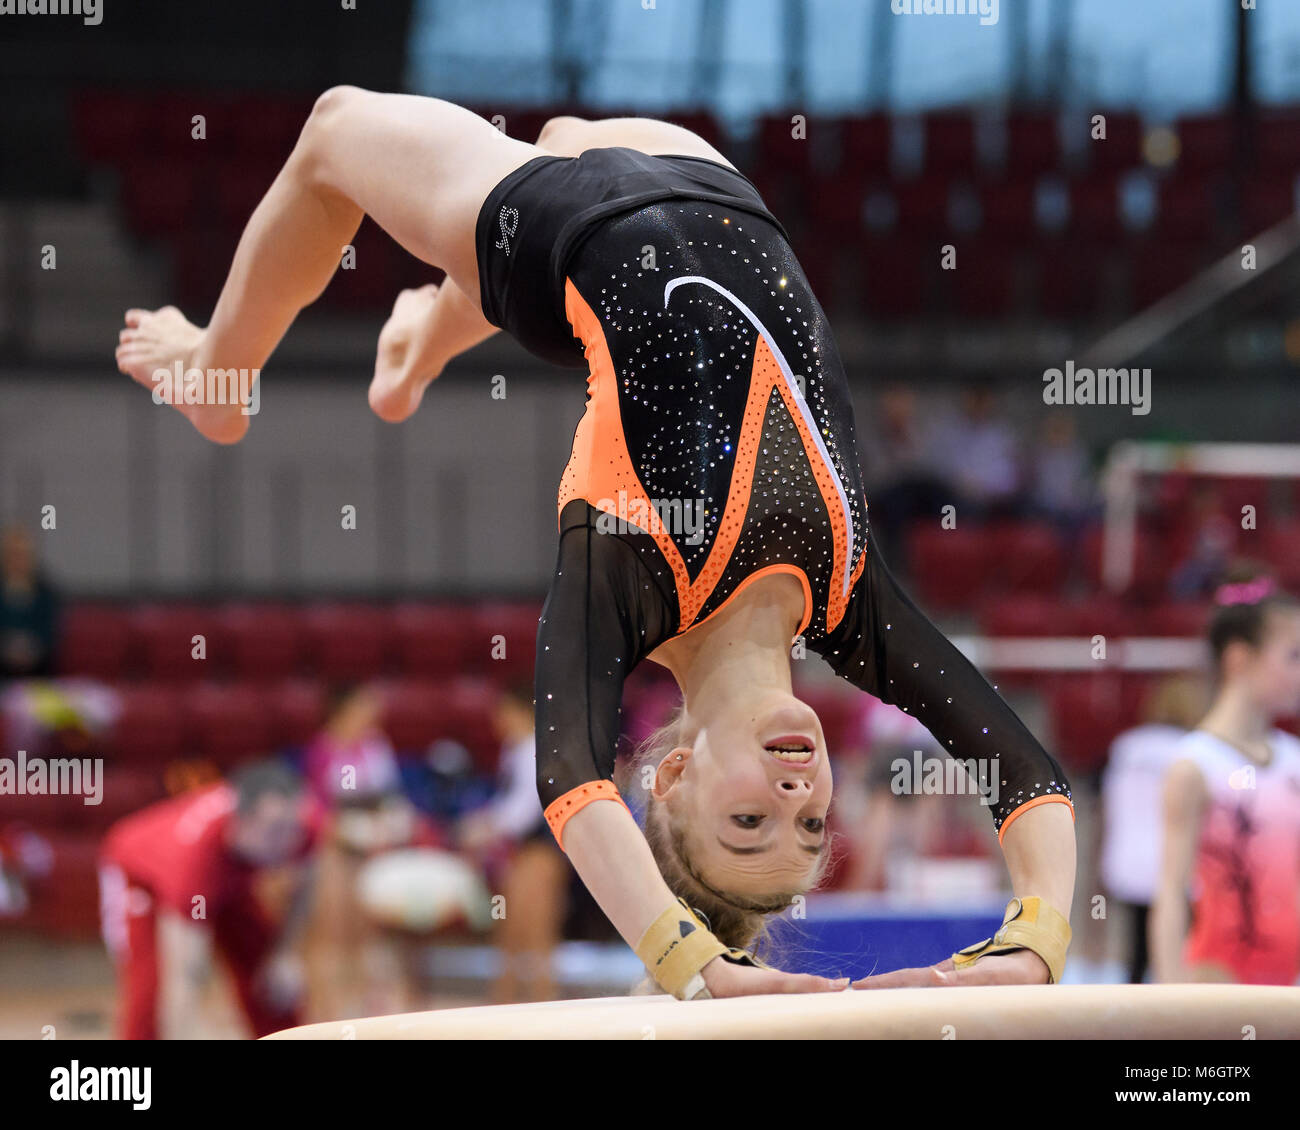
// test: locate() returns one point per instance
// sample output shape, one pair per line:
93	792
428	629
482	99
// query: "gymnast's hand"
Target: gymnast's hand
405	363
1020	967
726	979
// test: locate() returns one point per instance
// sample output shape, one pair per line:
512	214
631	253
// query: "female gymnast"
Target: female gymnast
1232	806
719	423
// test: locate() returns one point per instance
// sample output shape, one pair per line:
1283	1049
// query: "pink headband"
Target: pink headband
1247	593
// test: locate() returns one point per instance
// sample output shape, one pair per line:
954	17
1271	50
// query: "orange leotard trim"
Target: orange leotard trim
1053	798
600	468
562	808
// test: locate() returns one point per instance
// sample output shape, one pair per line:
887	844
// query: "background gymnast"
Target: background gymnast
1232	804
716	395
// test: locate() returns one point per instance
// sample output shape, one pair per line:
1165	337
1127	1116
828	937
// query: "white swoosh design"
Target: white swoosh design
804	411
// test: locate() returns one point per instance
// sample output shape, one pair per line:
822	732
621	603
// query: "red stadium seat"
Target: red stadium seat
230	723
347	643
923	205
418	712
1033	144
778	148
984	281
266	126
838	200
866	144
1094	208
950	568
429	640
110	124
895	273
470	703
415	713
166	635
1088	712
200	257
1277	142
1181	619
1150	564
258	641
1282	551
949	143
297	711
370	281
1030	555
1009	212
1206	142
239	189
1122	146
1026	615
497	627
152	728
1188	207
95	640
1109	616
1266	201
162	196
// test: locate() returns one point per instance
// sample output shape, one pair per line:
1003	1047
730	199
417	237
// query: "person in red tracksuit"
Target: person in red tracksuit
178	889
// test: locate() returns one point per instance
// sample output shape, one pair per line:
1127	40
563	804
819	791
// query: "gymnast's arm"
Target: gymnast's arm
886	646
604	612
1184	806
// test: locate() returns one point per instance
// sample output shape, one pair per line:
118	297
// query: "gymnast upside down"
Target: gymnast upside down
633	248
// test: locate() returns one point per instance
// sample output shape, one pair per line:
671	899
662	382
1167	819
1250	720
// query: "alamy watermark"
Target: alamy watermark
680	517
90	11
59	776
1098	386
987	10
945	776
178	385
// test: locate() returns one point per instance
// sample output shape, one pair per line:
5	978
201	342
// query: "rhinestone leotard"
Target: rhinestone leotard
717	446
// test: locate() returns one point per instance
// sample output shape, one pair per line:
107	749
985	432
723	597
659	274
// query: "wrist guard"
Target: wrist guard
678	945
1029	924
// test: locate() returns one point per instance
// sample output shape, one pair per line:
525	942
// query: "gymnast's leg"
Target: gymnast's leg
569	136
421	167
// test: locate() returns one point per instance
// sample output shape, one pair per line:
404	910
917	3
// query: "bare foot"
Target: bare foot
405	364
155	340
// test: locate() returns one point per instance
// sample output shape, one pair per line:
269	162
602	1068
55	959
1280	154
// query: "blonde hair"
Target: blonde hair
738	921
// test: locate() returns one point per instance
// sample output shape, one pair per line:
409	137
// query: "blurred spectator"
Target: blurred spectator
357	968
1212	536
907	840
24	856
535	878
901	470
980	457
29	610
61	717
1132	799
1062	490
179	887
352	754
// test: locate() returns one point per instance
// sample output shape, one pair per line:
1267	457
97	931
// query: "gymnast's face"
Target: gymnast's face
753	792
1274	667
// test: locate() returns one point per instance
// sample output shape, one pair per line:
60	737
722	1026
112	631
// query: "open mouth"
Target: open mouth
794	749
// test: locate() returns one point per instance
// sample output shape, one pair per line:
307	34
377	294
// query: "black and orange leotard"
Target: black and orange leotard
717	447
